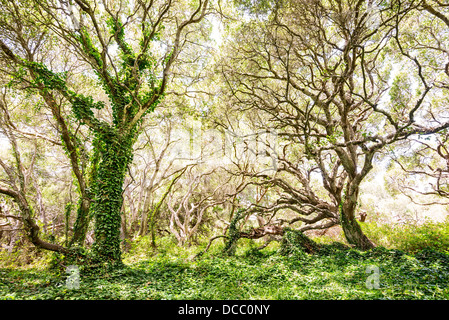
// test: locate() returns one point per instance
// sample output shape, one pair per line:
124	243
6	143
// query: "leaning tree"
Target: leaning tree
119	59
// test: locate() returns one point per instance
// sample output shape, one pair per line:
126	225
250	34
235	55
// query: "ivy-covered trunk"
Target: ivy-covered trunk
115	156
83	215
353	233
233	233
81	223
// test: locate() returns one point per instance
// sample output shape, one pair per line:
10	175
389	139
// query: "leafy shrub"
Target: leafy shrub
25	257
410	238
430	256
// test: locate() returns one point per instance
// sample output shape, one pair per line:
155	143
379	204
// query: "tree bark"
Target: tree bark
353	233
81	223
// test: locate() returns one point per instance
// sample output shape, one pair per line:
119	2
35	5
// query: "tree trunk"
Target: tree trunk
116	154
143	230
233	233
81	223
353	233
83	215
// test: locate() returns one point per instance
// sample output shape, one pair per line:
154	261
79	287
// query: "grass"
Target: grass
171	273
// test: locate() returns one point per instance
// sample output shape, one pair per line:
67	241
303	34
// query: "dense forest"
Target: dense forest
224	149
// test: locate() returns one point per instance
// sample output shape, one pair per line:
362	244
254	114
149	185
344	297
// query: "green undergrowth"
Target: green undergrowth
171	272
411	238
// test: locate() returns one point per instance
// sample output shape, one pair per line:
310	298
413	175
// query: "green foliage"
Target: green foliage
256	7
27	257
294	242
44	77
89	48
336	273
82	107
115	155
399	92
410	238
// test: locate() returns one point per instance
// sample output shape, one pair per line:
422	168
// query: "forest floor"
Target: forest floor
335	274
